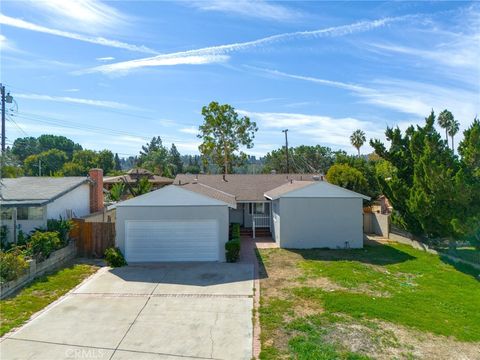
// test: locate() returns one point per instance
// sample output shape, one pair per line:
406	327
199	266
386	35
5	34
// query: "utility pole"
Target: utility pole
286	149
2	89
5	99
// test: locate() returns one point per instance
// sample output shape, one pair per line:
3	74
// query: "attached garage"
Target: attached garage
316	215
172	224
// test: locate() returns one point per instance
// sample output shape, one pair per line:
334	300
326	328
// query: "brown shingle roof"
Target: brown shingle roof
211	192
154	179
285	188
244	187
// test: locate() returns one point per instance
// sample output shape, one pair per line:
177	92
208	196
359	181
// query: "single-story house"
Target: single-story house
28	202
133	176
189	220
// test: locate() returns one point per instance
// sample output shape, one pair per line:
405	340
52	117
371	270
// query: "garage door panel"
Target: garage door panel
173	240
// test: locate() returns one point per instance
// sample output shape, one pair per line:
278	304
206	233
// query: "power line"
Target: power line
17	126
93	128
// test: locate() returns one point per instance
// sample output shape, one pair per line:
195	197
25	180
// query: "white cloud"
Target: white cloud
106	58
216	53
408	97
66	99
72	90
308	128
7	45
81	15
190	130
21	24
258	9
124	67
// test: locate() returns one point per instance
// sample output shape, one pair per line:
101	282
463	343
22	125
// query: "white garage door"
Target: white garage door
172	240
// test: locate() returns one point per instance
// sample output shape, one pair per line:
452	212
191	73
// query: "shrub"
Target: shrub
114	257
232	248
4	243
22	238
12	265
62	226
42	244
235	231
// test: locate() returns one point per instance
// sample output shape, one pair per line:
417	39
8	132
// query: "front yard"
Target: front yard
16	310
381	302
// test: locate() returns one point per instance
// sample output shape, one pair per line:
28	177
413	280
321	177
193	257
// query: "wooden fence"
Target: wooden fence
93	238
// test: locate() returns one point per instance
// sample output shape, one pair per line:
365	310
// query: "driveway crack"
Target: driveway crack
211	334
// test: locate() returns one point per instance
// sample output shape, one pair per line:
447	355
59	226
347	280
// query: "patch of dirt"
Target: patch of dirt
387	341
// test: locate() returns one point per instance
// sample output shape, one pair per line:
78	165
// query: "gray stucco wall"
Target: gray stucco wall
320	223
236	215
219	213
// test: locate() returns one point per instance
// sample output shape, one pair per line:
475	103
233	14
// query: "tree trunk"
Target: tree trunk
225	159
453	148
358	149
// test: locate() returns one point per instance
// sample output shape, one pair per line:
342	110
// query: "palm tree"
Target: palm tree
358	139
445	118
453	128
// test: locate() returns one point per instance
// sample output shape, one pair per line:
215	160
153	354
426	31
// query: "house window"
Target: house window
30	213
6	214
259	208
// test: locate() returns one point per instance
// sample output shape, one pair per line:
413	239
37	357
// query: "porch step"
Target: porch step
259	232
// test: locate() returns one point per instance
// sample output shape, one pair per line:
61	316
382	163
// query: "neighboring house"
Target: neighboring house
28	202
189	221
133	176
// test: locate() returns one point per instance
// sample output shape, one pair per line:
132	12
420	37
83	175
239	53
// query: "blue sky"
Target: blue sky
114	74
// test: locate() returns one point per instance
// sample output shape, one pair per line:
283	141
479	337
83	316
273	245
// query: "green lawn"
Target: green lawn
17	310
313	300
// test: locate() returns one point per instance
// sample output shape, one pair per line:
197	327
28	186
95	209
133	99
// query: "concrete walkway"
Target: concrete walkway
158	311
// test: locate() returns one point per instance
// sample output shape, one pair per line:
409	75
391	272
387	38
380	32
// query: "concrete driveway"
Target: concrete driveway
158	311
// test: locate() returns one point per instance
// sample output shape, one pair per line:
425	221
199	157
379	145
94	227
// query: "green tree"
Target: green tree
118	163
24	147
48	142
453	130
357	139
143	186
426	188
155	157
444	120
73	169
467	220
348	177
117	191
469	148
50	161
222	133
87	159
175	160
105	161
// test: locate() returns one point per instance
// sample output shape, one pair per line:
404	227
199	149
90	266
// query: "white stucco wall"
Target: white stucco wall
219	213
77	200
276	220
320	223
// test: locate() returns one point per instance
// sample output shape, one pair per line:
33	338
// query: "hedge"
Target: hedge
232	248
